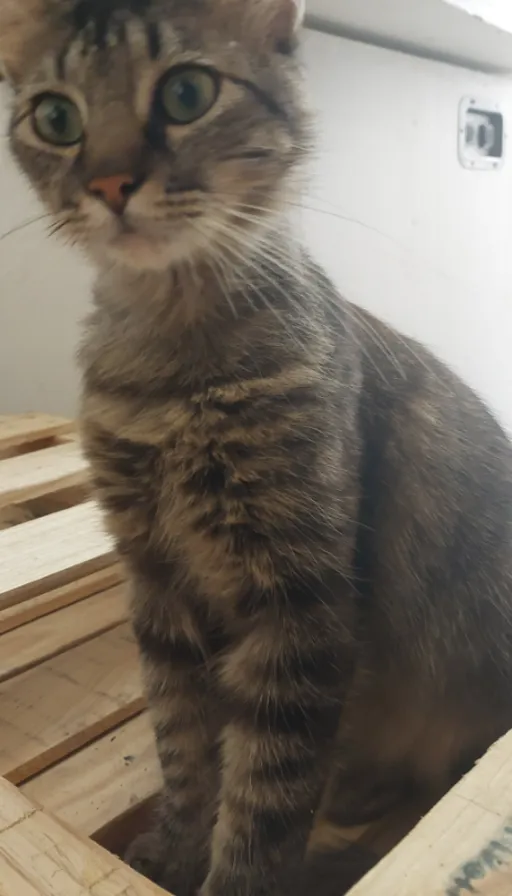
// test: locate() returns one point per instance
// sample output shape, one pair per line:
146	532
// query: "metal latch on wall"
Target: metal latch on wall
481	135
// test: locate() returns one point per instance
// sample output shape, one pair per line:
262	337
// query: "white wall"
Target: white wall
476	32
432	252
43	293
496	12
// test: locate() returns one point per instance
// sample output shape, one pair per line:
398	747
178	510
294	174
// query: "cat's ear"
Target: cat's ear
281	19
22	23
289	15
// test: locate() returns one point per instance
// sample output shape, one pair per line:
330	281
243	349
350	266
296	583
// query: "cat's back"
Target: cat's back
436	514
412	400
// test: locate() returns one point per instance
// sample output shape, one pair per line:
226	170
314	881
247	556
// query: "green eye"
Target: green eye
57	120
187	93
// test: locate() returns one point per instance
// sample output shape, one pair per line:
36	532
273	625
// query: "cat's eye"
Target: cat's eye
187	93
57	120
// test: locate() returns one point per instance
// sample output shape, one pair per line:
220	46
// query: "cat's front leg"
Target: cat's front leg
285	683
174	651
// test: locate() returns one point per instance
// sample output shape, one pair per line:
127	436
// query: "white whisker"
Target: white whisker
263	248
249	261
25	224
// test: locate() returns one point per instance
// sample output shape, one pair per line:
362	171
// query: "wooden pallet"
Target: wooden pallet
73	733
41	857
76	741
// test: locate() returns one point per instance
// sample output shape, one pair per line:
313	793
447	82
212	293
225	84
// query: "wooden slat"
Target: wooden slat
26	428
21	614
14	881
41	472
41	857
64	704
48	552
50	636
98	785
14	808
463	846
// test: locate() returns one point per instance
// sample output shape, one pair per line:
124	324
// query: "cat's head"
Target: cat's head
156	130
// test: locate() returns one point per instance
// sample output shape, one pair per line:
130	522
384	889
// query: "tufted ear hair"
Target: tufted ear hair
280	19
23	23
292	14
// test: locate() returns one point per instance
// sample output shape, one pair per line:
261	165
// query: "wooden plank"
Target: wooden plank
21	614
48	552
50	636
13	882
42	857
463	846
64	704
14	808
102	782
26	428
41	472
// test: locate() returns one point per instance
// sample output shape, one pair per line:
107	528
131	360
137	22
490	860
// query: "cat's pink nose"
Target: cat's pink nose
115	190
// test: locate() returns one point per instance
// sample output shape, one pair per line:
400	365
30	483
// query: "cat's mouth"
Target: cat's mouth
130	238
143	243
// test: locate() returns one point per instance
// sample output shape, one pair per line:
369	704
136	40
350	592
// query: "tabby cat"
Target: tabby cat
315	515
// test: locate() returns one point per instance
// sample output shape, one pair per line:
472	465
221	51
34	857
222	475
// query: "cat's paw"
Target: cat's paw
152	856
147	856
368	804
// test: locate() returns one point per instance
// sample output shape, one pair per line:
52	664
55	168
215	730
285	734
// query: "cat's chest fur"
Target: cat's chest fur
178	479
201	445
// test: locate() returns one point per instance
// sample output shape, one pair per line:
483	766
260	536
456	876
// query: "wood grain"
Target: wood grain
23	429
62	705
41	472
48	552
102	782
463	846
42	857
21	614
49	636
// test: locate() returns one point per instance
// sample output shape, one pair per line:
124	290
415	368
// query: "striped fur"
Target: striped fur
315	515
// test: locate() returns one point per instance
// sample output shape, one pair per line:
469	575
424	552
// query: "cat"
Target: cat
314	513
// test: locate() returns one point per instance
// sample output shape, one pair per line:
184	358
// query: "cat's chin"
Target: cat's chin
139	251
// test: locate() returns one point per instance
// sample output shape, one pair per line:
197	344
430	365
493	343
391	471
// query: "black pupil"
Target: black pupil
59	120
188	94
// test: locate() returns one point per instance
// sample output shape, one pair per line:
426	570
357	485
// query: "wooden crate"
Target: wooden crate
77	753
40	856
73	733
